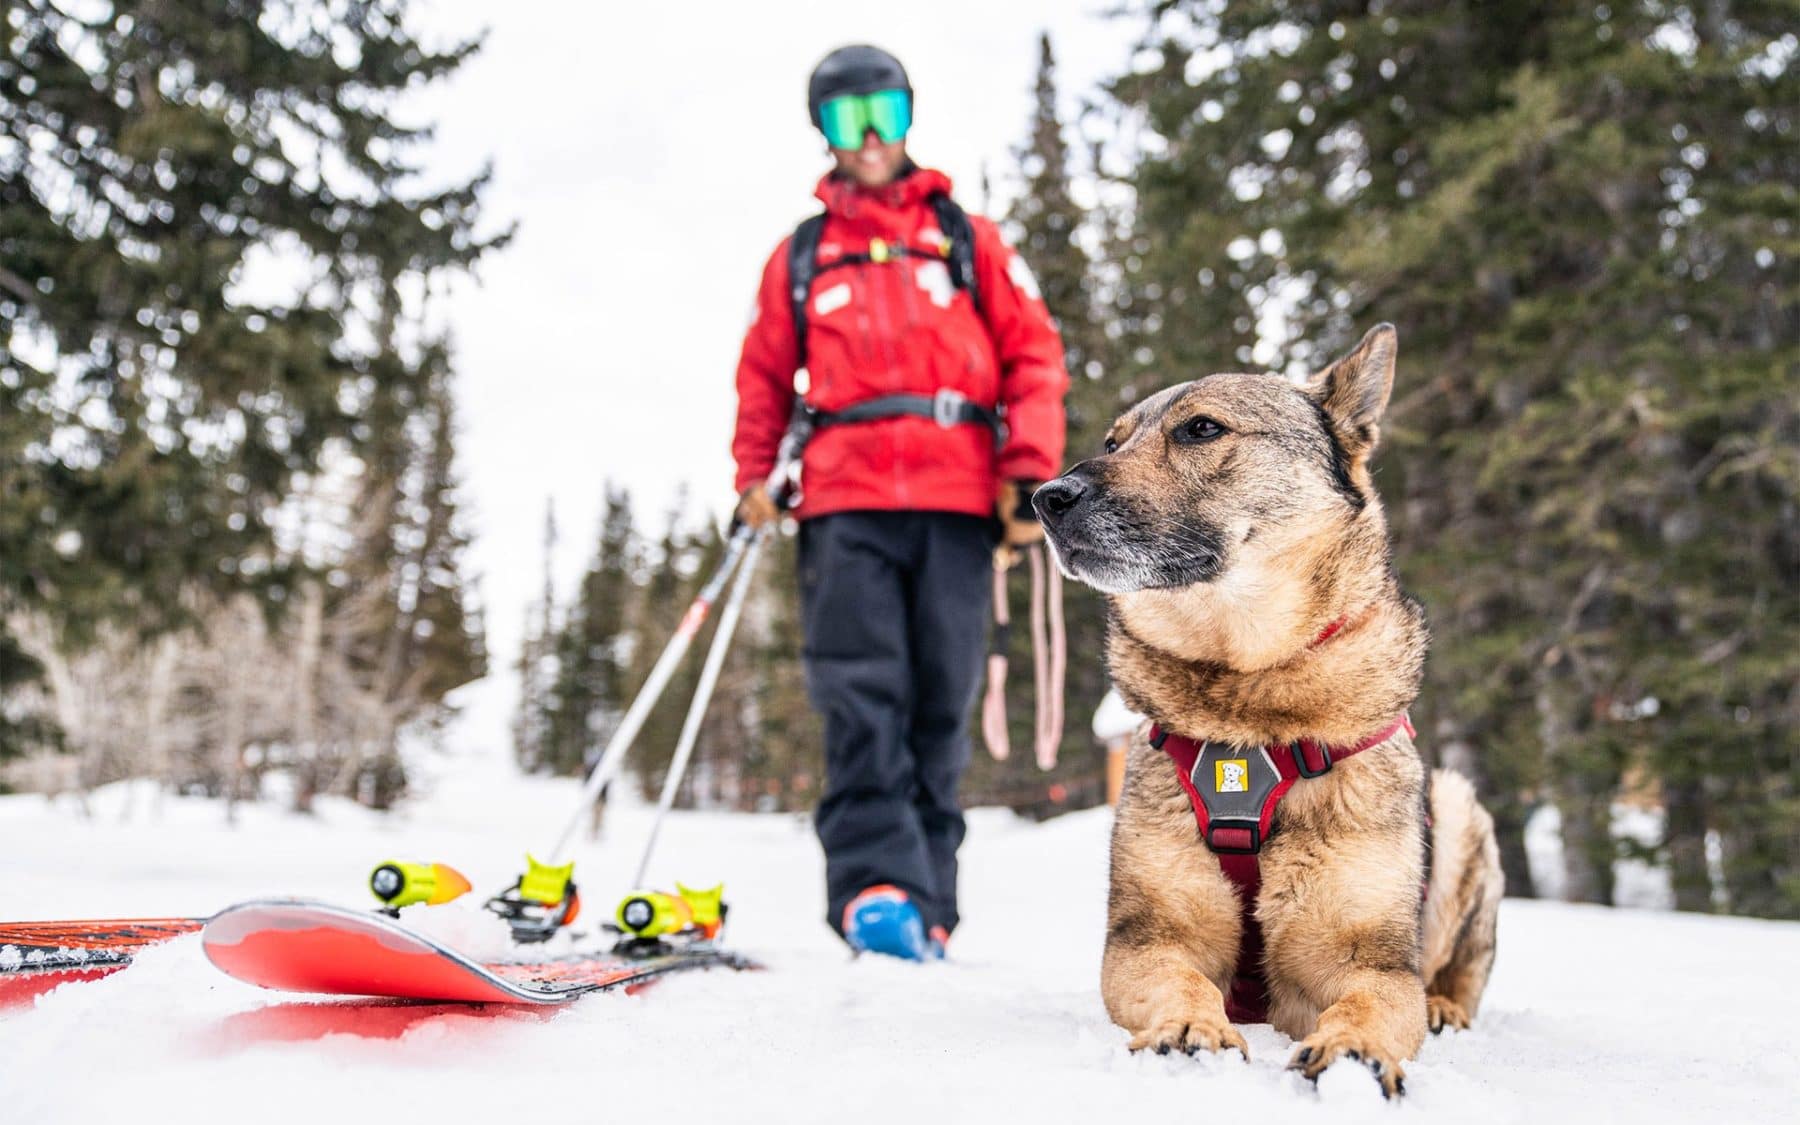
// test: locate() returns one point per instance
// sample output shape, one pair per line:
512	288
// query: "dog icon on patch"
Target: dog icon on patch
1232	775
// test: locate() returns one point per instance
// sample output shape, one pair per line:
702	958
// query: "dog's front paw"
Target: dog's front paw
1320	1049
1442	1012
1190	1035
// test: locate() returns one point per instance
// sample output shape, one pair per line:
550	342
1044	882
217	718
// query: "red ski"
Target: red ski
37	956
313	947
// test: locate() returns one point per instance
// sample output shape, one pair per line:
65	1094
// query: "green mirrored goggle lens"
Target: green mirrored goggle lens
845	120
890	114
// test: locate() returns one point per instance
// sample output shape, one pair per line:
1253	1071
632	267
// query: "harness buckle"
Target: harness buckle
947	407
1234	837
1301	766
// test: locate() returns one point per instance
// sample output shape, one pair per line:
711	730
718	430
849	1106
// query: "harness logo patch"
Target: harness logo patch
1231	775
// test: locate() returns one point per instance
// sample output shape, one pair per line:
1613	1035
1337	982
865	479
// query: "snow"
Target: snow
1594	1015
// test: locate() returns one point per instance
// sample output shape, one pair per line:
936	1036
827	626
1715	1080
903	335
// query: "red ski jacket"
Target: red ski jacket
901	327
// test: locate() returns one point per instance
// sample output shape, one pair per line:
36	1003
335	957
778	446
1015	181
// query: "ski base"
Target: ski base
314	947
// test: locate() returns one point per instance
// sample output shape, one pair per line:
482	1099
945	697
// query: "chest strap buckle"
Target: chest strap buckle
1306	754
1230	836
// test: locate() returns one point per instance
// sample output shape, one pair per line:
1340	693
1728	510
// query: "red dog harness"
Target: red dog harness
1235	791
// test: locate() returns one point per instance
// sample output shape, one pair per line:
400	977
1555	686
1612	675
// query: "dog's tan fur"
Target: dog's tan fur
1224	556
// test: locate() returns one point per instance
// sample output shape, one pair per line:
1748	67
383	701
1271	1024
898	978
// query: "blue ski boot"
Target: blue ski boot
883	920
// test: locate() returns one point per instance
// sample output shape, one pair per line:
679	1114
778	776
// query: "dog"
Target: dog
1254	617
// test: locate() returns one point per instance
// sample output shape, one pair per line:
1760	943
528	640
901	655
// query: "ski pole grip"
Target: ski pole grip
783	480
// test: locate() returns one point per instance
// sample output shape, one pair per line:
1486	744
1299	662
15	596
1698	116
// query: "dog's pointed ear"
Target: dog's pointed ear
1354	390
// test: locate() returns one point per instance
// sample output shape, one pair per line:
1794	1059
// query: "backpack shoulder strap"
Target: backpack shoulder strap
803	265
954	222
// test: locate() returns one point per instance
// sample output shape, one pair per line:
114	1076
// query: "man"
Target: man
937	385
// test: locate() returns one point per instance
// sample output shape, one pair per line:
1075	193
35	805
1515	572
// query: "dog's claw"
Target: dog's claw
1311	1061
1190	1038
1442	1012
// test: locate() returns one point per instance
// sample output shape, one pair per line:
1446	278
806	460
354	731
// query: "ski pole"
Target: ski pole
781	487
660	674
709	676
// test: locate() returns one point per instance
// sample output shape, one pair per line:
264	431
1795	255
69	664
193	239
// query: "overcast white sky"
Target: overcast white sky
653	154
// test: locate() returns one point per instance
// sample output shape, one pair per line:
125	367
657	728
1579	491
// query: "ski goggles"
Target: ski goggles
845	120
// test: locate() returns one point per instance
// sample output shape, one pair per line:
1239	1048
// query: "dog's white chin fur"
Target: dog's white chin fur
1115	582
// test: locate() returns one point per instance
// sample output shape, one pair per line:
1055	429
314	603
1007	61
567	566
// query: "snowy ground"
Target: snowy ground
1593	1015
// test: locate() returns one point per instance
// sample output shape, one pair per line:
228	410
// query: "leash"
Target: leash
1049	658
993	702
1049	654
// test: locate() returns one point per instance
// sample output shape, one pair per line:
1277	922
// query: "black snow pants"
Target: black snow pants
895	609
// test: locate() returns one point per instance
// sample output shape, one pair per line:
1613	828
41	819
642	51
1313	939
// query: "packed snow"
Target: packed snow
1593	1014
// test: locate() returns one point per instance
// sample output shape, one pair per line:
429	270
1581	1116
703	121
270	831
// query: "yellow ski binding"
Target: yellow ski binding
399	884
647	915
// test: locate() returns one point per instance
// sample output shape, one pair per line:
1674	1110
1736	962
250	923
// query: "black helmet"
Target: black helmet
853	70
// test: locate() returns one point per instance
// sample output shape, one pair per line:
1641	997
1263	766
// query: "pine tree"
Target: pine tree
1048	228
20	732
586	696
1581	219
536	654
675	570
444	646
398	594
151	413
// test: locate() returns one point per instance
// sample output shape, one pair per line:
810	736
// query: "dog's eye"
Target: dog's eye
1197	430
1112	446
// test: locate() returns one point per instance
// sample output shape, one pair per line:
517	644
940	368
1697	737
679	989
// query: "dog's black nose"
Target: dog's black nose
1055	499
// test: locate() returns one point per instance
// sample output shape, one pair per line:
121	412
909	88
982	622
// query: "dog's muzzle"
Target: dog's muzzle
1056	499
1062	507
1102	539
